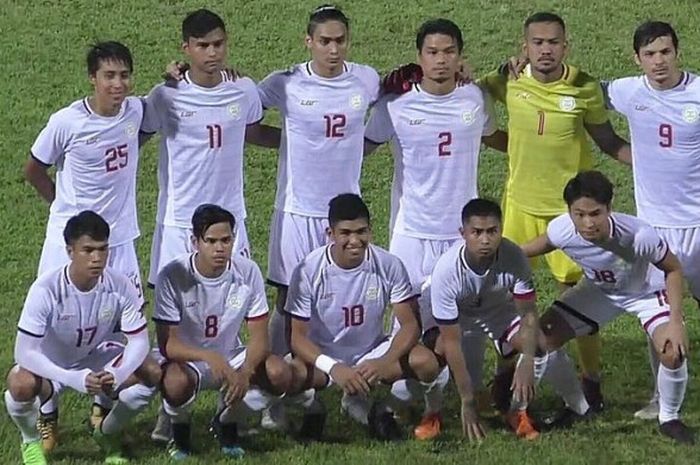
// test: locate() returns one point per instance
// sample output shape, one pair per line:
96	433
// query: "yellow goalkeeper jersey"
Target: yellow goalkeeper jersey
547	142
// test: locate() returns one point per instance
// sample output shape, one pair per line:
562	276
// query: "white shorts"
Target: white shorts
685	244
378	351
500	324
121	257
292	238
586	309
205	379
169	242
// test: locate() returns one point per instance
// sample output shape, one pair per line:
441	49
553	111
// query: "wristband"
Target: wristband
325	363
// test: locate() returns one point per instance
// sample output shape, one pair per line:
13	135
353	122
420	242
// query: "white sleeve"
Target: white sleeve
29	356
255	108
379	128
151	114
649	245
523	287
36	312
258	304
52	142
371	80
400	284
556	230
616	93
135	352
271	90
443	295
132	319
298	303
490	125
167	307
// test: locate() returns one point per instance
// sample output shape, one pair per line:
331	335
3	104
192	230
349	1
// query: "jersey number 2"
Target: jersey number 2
444	145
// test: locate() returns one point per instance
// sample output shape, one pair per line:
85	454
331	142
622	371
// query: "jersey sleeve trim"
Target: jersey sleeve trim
165	322
531	295
256	122
446	322
36	159
406	299
257	317
665	253
136	331
373	141
297	317
29	333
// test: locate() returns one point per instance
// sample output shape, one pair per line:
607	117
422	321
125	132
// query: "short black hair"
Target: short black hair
439	26
544	17
108	51
592	184
481	207
347	207
86	223
209	214
200	23
323	14
648	32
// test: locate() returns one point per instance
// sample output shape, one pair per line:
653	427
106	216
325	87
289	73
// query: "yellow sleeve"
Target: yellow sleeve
495	84
596	112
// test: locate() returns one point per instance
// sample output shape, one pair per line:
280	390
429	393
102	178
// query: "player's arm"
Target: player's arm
370	147
135	352
609	142
497	141
36	173
409	332
257	348
677	335
263	135
379	128
538	246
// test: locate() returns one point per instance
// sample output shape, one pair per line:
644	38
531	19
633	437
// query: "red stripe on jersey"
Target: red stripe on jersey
651	320
256	318
527	296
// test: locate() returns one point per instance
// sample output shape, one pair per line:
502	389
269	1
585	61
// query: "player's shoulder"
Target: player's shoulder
450	258
244	83
245	266
363	71
510	250
561	228
470	90
178	268
283	75
114	281
629	225
692	81
72	113
317	258
50	281
382	256
628	82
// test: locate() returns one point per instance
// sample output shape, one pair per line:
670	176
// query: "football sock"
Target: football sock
672	384
560	373
131	401
25	416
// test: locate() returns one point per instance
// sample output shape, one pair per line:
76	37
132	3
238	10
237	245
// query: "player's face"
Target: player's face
659	59
216	246
208	53
329	44
351	239
439	57
482	234
112	82
545	46
591	219
88	256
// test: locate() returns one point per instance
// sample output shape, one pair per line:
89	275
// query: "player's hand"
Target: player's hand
93	385
233	73
514	67
235	386
523	385
676	340
372	370
175	70
349	379
465	75
399	80
219	367
471	427
107	381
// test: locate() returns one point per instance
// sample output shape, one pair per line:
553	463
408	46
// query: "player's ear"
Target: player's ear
329	231
461	231
193	240
69	251
308	41
636	59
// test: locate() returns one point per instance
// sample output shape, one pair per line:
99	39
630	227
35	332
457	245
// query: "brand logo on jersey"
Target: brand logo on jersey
691	113
372	293
356	101
92	140
523	95
641	107
191	304
415	122
187	114
105	315
234	110
65	317
469	116
308	103
130	129
567	103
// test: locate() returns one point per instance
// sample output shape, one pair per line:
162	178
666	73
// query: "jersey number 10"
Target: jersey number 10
354	316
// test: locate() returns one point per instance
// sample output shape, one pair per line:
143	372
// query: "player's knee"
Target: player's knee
424	363
279	374
150	373
555	330
670	360
22	384
178	386
300	376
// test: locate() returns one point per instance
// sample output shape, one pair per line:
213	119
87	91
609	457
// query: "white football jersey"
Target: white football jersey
209	312
201	148
665	135
455	289
345	308
322	133
96	159
623	266
435	141
71	322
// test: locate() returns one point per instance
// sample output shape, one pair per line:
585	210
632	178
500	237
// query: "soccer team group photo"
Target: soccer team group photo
230	258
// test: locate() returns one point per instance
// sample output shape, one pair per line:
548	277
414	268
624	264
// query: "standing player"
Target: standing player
94	145
620	255
65	338
204	120
337	300
484	284
323	103
436	130
662	108
202	300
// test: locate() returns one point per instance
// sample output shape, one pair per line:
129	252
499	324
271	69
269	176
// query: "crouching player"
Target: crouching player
485	284
337	299
620	255
65	339
202	300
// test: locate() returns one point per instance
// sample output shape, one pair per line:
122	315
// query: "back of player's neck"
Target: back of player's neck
438	88
102	110
203	79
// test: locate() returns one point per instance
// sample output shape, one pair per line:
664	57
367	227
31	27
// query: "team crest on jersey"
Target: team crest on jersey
372	293
130	129
234	110
691	113
105	315
567	103
234	302
356	101
468	117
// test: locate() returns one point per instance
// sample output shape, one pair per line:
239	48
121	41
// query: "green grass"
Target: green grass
43	65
